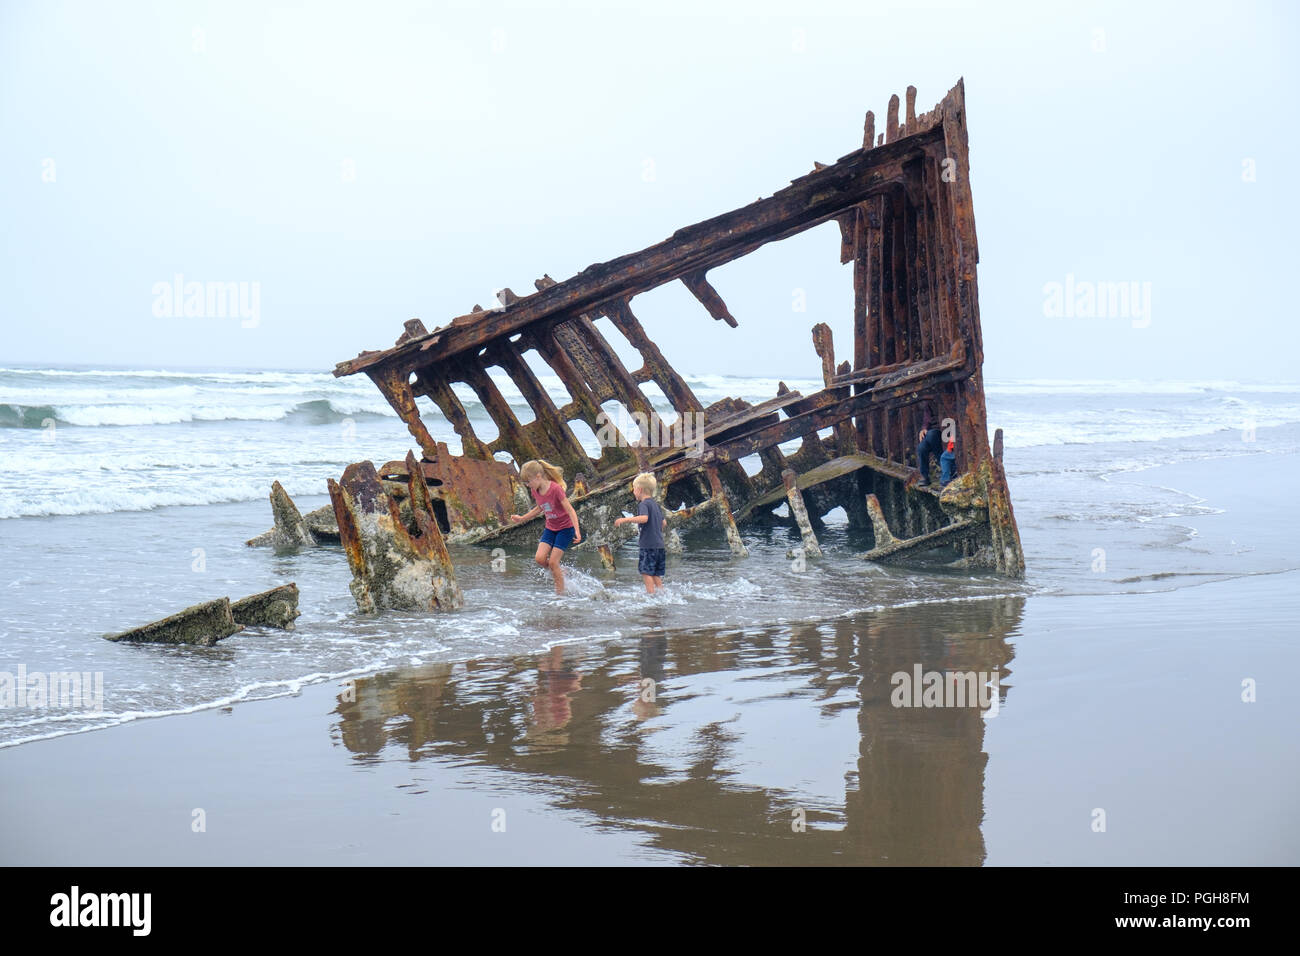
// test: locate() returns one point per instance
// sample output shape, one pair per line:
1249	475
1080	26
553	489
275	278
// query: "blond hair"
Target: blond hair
645	482
531	469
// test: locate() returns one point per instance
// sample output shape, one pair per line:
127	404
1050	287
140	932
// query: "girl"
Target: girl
546	482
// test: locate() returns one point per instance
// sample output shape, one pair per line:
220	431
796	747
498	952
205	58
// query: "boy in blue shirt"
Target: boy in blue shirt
650	516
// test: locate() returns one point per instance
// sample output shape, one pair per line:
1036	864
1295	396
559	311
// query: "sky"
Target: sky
348	166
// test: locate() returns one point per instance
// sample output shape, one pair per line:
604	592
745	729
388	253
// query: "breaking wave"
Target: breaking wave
320	411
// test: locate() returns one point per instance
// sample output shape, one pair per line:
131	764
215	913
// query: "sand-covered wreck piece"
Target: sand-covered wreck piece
903	205
292	529
207	623
202	624
277	608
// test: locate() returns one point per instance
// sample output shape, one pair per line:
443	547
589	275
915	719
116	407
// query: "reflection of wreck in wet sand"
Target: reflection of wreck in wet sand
916	796
903	206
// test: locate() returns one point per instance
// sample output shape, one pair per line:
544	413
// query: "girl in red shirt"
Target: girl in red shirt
546	482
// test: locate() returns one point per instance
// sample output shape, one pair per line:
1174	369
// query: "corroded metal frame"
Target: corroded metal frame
904	209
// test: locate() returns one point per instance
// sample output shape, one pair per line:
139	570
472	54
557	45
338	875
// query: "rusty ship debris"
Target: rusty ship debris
903	205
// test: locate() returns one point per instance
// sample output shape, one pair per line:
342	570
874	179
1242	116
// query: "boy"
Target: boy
650	516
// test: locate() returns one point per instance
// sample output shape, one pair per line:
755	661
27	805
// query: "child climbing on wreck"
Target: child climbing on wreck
650	516
546	483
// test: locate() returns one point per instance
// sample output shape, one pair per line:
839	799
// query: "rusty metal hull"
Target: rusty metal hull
903	205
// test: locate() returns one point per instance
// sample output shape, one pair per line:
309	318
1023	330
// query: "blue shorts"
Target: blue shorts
652	562
558	539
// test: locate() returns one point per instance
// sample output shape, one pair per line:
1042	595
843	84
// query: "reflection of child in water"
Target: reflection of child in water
556	681
654	650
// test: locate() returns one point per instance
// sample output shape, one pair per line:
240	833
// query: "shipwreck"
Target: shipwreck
903	205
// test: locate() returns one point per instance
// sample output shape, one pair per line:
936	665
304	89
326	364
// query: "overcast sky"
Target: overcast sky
366	163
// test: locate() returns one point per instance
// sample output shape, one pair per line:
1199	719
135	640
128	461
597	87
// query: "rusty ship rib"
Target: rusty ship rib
907	225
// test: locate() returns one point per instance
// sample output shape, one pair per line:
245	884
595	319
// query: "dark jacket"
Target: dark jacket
928	419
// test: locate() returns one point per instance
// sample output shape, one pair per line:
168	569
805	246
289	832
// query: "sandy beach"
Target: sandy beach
764	745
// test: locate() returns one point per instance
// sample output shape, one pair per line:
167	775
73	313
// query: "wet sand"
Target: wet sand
764	745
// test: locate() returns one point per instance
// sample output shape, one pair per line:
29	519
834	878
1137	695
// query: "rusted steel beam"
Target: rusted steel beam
726	417
889	351
939	194
624	386
806	202
396	388
799	512
848	224
438	389
874	224
905	342
708	296
810	478
896	338
870	376
667	377
824	346
879	526
965	249
510	434
577	347
585	404
549	429
863	318
904	254
896	548
724	514
872	425
918	290
955	142
933	262
1008	554
621	383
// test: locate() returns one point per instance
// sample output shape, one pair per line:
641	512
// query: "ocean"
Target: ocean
127	494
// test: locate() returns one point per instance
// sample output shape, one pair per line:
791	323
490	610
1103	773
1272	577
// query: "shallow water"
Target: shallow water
1091	520
773	744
